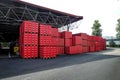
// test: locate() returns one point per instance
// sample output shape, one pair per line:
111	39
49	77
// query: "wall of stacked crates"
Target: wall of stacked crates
42	41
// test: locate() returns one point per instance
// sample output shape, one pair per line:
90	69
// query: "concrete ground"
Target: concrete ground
103	65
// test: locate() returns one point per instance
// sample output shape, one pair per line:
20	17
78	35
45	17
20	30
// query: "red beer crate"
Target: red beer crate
55	41
98	48
55	32
104	44
25	26
79	48
97	38
28	38
97	44
44	56
91	38
23	51
54	51
60	42
85	49
42	40
49	29
82	35
61	50
73	50
92	48
91	43
102	48
48	40
42	29
100	39
28	51
29	26
43	53
66	34
45	40
45	29
85	42
24	39
48	52
34	27
35	50
34	39
68	42
76	40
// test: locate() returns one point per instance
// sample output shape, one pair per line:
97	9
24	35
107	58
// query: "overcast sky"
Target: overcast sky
106	11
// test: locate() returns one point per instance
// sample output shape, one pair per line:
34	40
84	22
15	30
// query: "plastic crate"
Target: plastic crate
28	38
48	52
28	51
76	40
84	36
61	50
55	32
55	41
73	50
29	26
45	29
60	42
85	49
66	34
85	42
92	49
45	40
67	42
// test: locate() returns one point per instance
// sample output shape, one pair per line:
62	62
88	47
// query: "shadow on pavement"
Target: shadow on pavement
17	66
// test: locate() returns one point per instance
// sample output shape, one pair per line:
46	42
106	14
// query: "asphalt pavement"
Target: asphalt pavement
104	65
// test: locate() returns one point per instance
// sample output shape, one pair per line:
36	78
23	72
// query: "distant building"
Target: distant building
109	38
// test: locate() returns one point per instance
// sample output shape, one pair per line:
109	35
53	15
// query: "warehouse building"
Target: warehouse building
14	12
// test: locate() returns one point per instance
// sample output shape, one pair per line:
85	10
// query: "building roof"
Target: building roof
56	12
13	12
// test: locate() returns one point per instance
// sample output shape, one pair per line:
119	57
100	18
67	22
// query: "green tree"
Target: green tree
96	31
118	29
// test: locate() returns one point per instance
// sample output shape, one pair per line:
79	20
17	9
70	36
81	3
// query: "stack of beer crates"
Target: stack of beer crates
28	39
85	47
91	43
101	43
47	44
61	46
76	47
97	43
57	41
67	36
104	44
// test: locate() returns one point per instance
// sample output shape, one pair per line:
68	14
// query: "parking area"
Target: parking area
11	67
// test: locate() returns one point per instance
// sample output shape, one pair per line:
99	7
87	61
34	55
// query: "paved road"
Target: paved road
103	65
